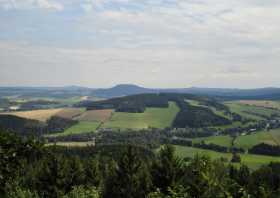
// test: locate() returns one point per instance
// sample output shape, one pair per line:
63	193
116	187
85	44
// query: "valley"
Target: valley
182	119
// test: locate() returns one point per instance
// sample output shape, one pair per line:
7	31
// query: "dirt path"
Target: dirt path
103	122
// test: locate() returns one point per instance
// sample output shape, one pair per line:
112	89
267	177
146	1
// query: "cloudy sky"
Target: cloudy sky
153	43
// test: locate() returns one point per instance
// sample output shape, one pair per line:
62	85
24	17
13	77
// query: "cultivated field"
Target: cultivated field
222	140
217	112
44	114
95	115
72	144
41	115
81	127
152	117
244	141
262	103
248	141
253	161
70	112
251	112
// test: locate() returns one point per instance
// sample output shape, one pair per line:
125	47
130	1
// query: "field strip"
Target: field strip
76	116
275	139
103	122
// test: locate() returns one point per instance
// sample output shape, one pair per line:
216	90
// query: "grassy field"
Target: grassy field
248	141
253	161
276	136
81	127
246	110
152	117
233	125
41	115
217	112
95	115
223	140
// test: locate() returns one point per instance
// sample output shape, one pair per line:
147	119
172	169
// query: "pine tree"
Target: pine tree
167	169
130	177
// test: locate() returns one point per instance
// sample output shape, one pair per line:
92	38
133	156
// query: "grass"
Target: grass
68	101
152	117
234	125
252	161
222	140
248	141
243	109
81	127
215	111
276	135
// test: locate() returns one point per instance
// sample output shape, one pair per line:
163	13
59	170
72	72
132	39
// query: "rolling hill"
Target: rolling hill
130	89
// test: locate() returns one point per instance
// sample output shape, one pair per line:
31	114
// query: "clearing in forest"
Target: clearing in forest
152	117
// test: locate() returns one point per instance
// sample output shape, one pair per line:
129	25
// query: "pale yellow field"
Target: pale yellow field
41	115
262	103
72	144
95	115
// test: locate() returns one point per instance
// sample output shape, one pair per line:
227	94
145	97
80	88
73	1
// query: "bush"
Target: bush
82	192
21	193
236	158
265	149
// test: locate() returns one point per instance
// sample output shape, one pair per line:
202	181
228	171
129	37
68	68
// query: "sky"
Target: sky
152	43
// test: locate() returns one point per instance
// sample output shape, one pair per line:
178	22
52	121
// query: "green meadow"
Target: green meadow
152	117
81	127
247	141
252	161
222	140
248	111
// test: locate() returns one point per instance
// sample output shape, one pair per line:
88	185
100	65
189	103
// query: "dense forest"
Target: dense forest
29	169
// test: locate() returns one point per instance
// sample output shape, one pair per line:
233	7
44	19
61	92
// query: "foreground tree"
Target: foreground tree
167	169
129	178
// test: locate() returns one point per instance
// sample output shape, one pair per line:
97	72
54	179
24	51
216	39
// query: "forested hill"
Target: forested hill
188	116
21	126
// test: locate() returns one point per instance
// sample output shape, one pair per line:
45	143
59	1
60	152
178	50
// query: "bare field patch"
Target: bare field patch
41	115
72	144
262	103
70	112
95	115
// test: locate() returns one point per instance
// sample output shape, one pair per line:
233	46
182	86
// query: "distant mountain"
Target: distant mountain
122	90
128	89
53	92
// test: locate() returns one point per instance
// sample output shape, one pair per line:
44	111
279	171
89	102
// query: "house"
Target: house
14	108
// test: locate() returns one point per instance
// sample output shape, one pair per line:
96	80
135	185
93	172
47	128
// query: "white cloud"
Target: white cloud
189	42
31	4
45	4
